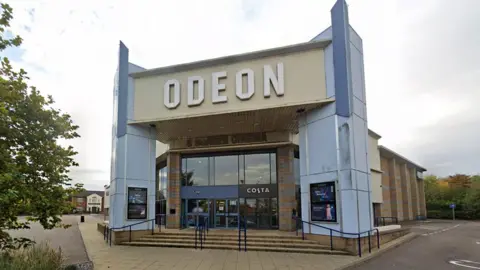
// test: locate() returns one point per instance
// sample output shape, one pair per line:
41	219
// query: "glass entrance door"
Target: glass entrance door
232	214
220	213
226	213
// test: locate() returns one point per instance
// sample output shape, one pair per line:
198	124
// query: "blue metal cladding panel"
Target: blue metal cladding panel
209	192
341	50
122	99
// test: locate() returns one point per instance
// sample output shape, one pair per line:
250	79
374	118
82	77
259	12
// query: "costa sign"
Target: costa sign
258	190
196	86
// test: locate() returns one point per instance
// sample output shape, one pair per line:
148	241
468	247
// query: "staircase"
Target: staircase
217	239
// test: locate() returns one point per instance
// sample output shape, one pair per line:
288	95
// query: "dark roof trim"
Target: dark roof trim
227	60
89	192
374	134
402	158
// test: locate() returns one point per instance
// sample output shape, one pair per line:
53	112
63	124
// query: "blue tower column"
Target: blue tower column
334	138
133	150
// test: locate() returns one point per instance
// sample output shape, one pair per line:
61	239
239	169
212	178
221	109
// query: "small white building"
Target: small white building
94	203
106	200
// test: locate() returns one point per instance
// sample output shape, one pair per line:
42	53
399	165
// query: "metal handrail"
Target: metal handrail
202	229
240	233
109	231
381	220
342	233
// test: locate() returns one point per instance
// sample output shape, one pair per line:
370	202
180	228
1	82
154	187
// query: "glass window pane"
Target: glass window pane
241	169
186	177
273	168
226	170
274	217
191	205
257	169
197	171
211	162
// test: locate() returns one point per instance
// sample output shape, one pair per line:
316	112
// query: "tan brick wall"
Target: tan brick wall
174	182
413	193
386	207
405	184
421	193
398	190
393	187
286	188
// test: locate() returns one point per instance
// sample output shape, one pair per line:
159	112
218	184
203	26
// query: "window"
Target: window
226	170
231	169
137	203
195	171
257	169
323	203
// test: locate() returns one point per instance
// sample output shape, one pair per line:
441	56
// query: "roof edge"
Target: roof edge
374	134
418	167
226	60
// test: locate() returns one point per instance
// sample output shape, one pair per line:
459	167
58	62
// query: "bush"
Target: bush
37	257
447	214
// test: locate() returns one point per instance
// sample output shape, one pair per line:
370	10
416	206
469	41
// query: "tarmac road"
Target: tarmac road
441	245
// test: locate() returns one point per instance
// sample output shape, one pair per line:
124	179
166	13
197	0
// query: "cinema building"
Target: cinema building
263	135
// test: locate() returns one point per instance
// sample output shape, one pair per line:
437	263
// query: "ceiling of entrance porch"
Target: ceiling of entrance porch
262	120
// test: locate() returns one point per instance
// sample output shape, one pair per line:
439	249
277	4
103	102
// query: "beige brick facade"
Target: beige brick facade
286	188
403	193
174	183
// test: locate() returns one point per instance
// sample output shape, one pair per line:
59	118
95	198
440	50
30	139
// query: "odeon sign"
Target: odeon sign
270	80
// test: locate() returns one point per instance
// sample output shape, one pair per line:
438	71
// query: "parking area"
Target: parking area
441	245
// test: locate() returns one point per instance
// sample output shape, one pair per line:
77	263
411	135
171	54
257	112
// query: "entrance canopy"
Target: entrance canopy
255	92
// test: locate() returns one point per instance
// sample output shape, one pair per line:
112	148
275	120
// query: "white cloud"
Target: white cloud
76	42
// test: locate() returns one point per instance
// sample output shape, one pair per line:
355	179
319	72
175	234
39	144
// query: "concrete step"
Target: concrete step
252	238
232	234
226	242
235	247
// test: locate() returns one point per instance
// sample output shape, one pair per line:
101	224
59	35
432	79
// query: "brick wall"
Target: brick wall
286	188
174	182
386	207
405	184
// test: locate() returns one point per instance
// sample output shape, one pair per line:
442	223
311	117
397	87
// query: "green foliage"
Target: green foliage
38	257
33	165
459	189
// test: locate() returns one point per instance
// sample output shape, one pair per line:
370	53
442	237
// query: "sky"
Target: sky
422	63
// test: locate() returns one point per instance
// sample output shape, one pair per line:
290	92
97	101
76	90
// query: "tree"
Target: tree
33	165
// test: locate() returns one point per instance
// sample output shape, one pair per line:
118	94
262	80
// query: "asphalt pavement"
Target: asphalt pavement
69	240
440	245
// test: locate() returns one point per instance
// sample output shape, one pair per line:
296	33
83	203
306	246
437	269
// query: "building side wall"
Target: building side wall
403	194
386	207
414	193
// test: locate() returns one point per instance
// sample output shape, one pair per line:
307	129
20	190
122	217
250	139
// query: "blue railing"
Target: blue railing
201	230
107	232
240	229
380	221
358	235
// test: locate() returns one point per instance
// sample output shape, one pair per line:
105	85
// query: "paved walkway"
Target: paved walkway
126	257
69	240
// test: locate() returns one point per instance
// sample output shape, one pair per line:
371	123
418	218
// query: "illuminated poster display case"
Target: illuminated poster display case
137	203
323	202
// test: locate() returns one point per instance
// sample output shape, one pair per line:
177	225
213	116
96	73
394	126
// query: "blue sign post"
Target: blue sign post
452	206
